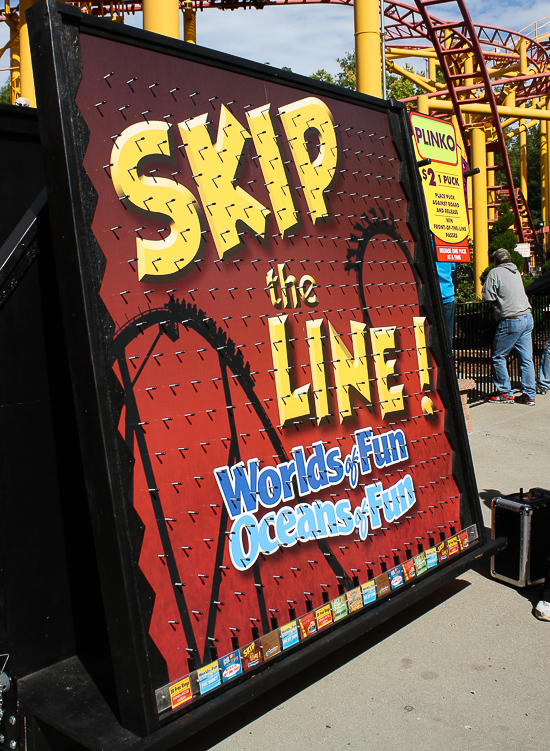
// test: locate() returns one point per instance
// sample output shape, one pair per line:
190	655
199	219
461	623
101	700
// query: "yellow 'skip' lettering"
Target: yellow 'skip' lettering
273	168
157	198
216	168
317	175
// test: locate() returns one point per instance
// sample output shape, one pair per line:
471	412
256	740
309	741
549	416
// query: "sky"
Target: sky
308	37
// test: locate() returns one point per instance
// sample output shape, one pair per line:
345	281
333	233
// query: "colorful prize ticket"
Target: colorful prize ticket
252	655
324	616
431	557
289	634
355	601
453	545
396	577
382	584
209	677
271	645
231	665
308	626
409	571
181	693
339	608
420	563
368	590
442	551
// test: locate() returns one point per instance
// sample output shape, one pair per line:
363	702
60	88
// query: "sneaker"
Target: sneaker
524	399
541	391
542	610
503	398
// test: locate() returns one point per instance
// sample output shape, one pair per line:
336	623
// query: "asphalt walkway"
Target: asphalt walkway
466	668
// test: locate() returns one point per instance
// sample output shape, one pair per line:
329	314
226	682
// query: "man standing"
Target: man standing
541	286
504	287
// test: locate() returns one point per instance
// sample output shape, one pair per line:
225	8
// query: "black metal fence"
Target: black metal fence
473	338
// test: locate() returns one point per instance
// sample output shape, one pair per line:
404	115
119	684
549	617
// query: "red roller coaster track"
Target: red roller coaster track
456	41
452	42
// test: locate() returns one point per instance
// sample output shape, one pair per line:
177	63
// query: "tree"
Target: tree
5	93
533	169
501	236
345	77
397	87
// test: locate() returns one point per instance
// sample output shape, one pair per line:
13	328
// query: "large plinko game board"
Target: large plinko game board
268	410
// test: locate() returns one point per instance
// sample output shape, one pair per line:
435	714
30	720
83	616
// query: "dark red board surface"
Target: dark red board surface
203	392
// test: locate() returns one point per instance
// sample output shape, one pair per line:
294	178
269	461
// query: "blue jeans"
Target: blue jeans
514	333
544	375
449	310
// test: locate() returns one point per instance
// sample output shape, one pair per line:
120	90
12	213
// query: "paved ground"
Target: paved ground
467	668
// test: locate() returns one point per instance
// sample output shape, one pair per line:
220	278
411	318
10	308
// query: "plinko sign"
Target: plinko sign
443	185
281	430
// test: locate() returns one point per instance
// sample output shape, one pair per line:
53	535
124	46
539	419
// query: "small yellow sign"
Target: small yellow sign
443	185
181	692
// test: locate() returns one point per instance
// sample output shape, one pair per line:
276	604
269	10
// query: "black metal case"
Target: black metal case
524	519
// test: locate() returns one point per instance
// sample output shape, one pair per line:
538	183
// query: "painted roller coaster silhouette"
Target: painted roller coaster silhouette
230	359
169	318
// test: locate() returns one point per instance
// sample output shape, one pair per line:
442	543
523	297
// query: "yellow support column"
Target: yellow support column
479	185
491	194
422	106
189	23
12	21
432	69
523	158
545	191
523	69
523	64
27	80
162	17
468	67
544	171
543	176
368	55
548	167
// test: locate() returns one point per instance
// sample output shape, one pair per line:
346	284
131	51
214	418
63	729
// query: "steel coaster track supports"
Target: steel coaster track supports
162	17
545	172
189	23
523	69
25	63
460	44
471	57
500	52
367	46
479	189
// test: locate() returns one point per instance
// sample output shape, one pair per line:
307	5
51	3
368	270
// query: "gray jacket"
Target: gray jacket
504	287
